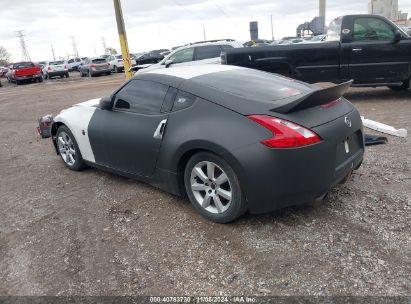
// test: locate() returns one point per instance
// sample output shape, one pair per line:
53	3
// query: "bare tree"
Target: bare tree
111	51
4	56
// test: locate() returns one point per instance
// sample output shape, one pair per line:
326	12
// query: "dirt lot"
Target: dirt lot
93	233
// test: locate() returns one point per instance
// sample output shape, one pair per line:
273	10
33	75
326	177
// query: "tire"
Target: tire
109	73
40	79
68	149
405	86
219	199
118	70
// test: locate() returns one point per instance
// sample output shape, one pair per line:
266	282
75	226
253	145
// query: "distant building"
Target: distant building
386	8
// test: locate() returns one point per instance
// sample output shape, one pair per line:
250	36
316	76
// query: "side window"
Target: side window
71	61
78	60
185	55
334	30
208	51
372	29
183	100
141	96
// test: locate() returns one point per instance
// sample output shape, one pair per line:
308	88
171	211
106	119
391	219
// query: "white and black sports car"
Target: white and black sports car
232	139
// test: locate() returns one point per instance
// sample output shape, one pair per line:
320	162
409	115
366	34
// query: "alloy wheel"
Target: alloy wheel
211	187
66	148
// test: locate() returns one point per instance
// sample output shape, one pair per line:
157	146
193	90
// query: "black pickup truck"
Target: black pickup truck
367	48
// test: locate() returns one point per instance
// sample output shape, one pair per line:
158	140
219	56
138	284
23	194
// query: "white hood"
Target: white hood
89	103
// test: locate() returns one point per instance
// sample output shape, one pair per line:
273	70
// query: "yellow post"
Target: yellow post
123	39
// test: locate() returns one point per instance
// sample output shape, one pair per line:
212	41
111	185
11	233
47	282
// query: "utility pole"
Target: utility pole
103	41
123	39
24	52
75	51
204	33
272	28
52	50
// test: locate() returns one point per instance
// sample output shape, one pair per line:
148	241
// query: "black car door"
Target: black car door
375	55
127	138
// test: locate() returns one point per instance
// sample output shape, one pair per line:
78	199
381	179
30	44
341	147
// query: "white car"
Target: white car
117	64
74	63
55	68
206	52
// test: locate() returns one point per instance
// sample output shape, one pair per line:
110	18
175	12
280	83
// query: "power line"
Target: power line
221	10
188	10
24	52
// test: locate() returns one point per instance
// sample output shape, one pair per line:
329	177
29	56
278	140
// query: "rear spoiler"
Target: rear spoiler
314	98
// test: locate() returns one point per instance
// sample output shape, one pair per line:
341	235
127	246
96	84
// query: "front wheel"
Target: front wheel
213	188
68	149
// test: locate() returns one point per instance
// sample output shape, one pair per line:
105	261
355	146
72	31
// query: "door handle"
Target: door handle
158	134
357	50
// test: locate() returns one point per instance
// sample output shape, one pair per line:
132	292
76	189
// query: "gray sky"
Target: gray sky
153	24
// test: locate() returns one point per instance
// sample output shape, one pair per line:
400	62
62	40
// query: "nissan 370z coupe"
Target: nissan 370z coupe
230	138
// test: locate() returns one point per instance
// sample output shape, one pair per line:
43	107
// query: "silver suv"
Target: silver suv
204	52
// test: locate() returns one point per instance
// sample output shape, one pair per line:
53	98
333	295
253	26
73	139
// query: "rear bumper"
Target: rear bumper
57	73
28	77
100	72
276	178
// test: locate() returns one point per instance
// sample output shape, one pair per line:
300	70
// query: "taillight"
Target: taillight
92	66
286	134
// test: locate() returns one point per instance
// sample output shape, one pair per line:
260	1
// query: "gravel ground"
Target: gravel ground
94	233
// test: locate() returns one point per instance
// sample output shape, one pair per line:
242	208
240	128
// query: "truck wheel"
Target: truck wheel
405	86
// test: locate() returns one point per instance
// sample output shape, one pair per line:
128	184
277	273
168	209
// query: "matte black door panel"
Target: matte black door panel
124	140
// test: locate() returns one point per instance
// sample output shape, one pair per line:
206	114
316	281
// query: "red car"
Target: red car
24	71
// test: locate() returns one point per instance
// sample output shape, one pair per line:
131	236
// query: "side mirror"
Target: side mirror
168	63
105	103
397	36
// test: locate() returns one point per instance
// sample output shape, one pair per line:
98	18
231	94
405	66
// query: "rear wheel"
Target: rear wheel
405	86
118	70
68	149
213	188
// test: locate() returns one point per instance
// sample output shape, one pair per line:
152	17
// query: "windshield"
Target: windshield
98	60
119	57
22	65
56	62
